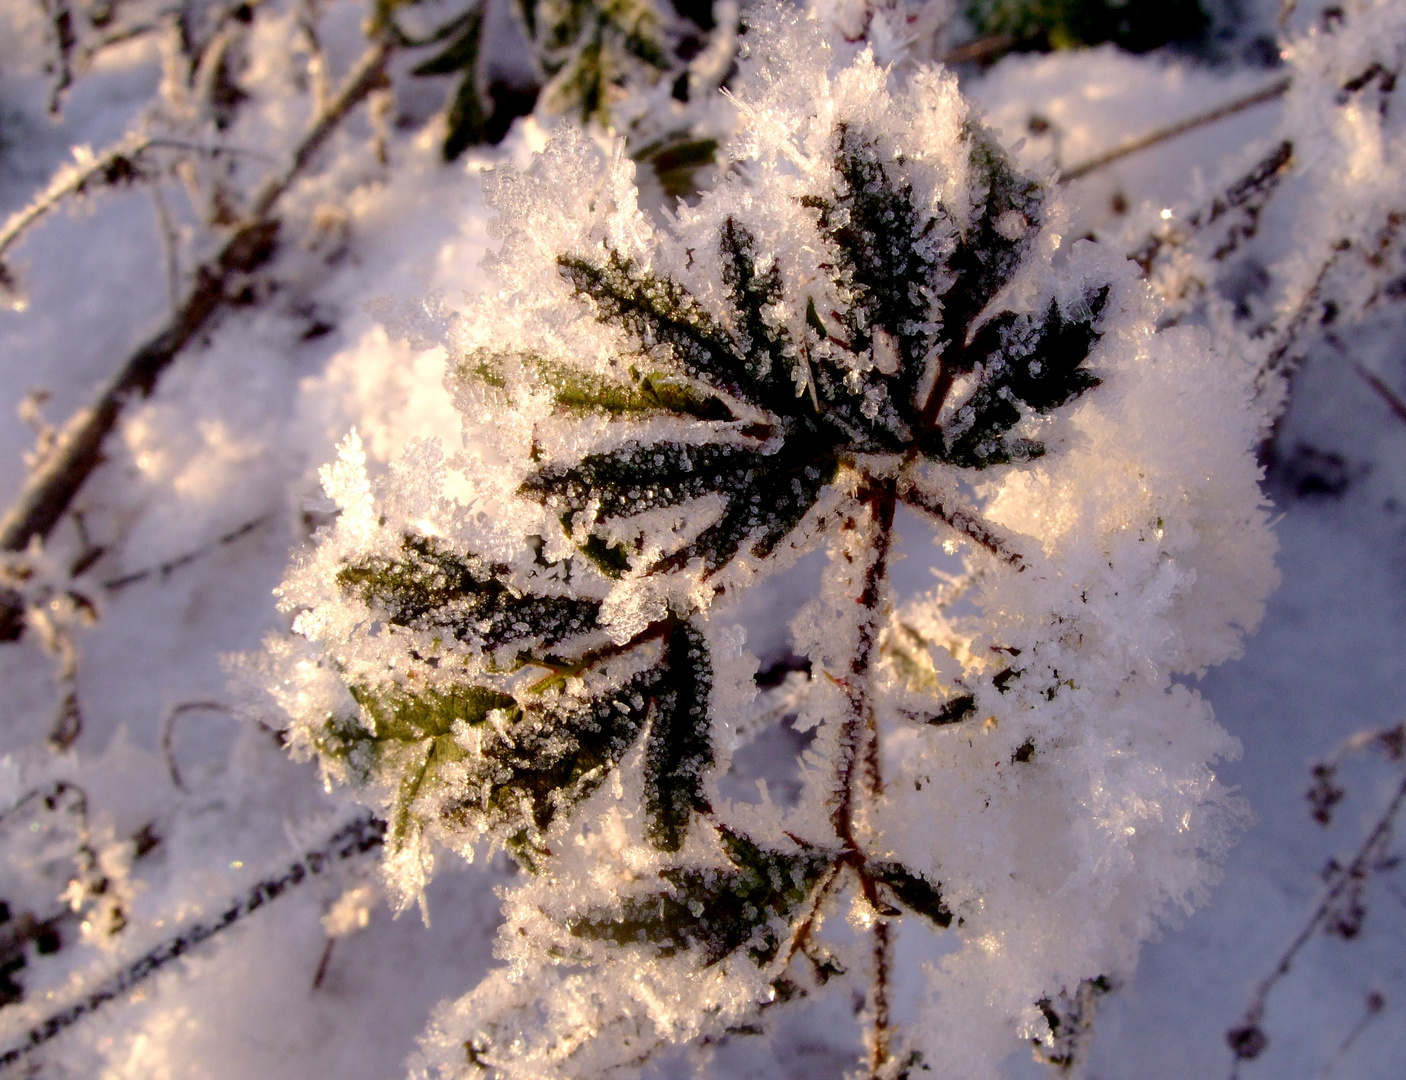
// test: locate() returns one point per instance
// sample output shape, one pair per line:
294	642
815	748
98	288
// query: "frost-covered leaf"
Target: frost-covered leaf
428	587
679	747
717	911
1024	362
914	892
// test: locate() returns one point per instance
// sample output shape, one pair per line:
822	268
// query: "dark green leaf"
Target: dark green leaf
430	588
661	314
769	375
642	476
913	892
679	746
1009	211
717	910
890	263
1037	363
555	754
768	502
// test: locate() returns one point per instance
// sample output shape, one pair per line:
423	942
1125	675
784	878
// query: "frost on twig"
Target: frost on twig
866	313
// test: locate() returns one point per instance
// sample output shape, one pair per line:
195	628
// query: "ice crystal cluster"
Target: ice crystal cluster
526	643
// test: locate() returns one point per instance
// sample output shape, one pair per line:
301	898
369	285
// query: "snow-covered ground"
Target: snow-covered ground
221	464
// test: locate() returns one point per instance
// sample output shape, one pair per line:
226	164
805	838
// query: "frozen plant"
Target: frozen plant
527	645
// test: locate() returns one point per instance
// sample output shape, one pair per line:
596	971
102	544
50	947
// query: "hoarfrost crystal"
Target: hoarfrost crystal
871	311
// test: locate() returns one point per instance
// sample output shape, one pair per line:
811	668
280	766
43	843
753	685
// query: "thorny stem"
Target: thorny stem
881	1050
52	486
1246	1039
857	773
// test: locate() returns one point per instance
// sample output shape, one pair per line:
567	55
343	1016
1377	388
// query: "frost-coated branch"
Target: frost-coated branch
72	178
51	487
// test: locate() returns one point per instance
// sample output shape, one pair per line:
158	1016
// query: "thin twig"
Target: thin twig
351	840
61	15
1247	1040
1248	194
50	489
1276	360
1143	142
1372	1008
167	568
168	247
982	50
1386	393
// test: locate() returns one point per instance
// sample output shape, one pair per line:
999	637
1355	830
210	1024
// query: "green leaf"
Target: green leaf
1010	208
431	712
430	588
679	746
767	365
766	504
409	740
461	54
585	392
555	754
467	119
716	910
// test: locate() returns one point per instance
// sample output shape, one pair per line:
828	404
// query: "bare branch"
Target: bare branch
1277	360
50	489
168	247
1386	393
982	50
1143	142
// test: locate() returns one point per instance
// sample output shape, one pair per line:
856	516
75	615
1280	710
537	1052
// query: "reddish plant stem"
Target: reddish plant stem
858	774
